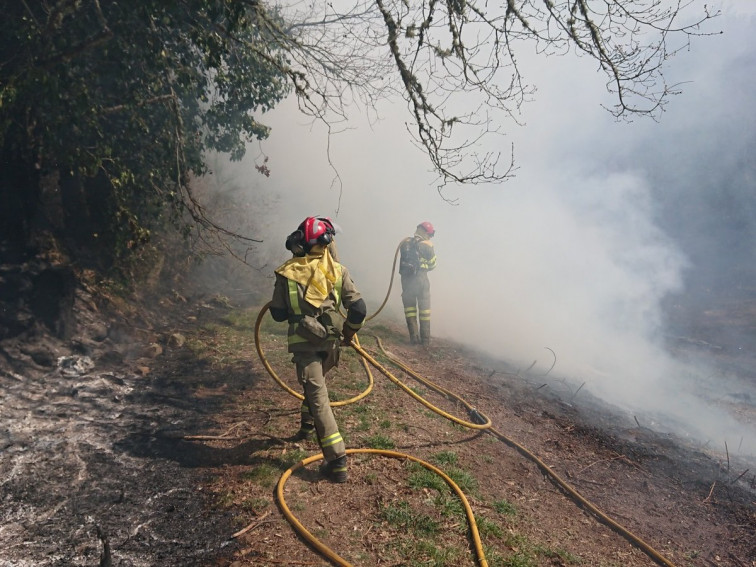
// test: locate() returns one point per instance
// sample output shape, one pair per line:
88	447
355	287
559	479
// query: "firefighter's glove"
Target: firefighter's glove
348	334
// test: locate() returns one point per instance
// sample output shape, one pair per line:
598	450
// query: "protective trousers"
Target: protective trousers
417	306
311	370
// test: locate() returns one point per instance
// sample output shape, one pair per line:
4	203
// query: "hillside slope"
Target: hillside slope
153	436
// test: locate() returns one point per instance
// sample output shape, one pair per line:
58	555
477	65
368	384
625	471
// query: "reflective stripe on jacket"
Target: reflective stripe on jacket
288	297
427	255
296	309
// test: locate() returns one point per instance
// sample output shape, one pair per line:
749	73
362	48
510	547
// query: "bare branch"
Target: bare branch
456	63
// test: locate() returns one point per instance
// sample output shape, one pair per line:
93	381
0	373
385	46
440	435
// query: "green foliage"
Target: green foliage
463	479
380	442
119	101
292	457
401	515
420	477
446	458
254	504
264	475
437	556
519	559
488	528
449	506
561	554
505	507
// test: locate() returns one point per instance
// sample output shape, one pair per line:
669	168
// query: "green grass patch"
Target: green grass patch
516	541
527	553
362	409
519	559
401	516
563	555
264	475
446	458
225	499
488	528
254	504
419	391
420	477
505	508
380	442
380	329
363	423
245	319
291	457
463	479
423	553
450	506
231	340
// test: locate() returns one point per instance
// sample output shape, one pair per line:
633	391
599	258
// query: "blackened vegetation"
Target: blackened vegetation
93	466
36	293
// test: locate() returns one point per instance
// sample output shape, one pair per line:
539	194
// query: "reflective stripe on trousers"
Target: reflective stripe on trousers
311	368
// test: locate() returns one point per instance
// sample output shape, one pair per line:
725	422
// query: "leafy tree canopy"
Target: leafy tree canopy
131	94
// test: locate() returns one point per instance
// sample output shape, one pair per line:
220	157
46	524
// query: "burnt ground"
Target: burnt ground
120	445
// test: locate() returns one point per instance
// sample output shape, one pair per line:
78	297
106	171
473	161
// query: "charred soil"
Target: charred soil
154	436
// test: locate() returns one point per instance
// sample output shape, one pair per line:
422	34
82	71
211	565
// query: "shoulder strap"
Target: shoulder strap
294	297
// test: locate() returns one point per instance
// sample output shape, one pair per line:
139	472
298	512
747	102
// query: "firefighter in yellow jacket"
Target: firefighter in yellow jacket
417	258
307	293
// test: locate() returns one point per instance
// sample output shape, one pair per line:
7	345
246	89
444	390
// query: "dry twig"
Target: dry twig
576	391
741	475
224	437
711	491
290	562
252	526
553	363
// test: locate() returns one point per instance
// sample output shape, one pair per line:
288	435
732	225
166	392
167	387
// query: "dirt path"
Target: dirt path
116	452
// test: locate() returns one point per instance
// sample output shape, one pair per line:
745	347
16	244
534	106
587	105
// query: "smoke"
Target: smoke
571	261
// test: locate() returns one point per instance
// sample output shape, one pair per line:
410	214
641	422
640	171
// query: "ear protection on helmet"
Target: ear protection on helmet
295	243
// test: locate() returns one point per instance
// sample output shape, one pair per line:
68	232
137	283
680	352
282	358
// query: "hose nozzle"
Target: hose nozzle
476	416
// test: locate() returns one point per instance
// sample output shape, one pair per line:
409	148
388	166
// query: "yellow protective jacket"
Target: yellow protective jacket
427	255
315	285
417	254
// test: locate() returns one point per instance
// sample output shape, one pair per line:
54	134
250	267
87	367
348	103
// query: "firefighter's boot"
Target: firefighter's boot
425	335
306	433
412	328
335	470
307	425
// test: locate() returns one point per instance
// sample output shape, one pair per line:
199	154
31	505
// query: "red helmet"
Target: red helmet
427	227
311	231
317	230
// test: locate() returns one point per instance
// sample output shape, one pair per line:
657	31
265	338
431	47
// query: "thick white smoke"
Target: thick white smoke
569	257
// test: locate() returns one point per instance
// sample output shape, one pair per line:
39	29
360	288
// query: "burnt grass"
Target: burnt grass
121	445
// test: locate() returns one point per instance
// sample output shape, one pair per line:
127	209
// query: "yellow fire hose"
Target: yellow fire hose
281	383
388	292
391	283
328	552
574	494
481	422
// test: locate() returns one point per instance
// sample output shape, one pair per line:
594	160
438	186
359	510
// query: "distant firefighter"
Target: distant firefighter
417	258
